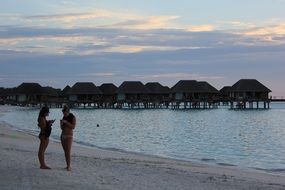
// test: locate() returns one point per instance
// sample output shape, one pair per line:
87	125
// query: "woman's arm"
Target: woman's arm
70	125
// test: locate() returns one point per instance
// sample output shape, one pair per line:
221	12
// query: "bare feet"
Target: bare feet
68	168
45	168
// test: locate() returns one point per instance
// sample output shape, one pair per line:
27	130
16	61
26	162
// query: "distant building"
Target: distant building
248	93
249	89
29	93
158	95
109	95
132	93
85	93
64	96
50	95
194	94
225	93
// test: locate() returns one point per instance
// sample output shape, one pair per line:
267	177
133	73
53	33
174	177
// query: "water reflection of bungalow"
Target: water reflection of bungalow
109	95
248	93
194	94
159	96
84	93
133	94
29	94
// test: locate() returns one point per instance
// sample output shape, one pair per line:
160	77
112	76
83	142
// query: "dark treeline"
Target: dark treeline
188	94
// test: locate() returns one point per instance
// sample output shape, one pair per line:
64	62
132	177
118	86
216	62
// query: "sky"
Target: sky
59	42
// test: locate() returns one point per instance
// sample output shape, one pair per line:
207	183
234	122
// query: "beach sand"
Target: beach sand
95	168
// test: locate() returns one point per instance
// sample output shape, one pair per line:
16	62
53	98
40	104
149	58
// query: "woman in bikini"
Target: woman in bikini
45	126
67	124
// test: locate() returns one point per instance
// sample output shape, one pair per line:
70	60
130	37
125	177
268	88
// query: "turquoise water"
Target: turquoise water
247	139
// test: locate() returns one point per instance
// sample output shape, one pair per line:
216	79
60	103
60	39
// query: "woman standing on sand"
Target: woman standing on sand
67	125
45	126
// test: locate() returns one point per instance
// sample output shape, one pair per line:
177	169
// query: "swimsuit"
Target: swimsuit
63	137
46	133
69	118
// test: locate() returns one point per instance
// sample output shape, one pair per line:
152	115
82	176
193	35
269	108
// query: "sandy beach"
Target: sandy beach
94	168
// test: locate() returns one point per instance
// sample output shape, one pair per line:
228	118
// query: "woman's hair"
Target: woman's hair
65	108
43	112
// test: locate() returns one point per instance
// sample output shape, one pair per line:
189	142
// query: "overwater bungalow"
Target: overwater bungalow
225	94
51	96
29	94
84	93
248	93
159	96
184	91
133	94
207	92
9	96
2	96
109	95
194	94
64	96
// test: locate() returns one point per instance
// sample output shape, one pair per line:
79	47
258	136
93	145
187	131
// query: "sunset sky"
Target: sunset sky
59	42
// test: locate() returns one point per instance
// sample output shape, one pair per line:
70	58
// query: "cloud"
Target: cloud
236	24
276	30
179	75
71	17
274	34
65	19
147	23
88	41
105	74
201	28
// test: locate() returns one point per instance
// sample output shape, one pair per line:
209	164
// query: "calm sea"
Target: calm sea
247	139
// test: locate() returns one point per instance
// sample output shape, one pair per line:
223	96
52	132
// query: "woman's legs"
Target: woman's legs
41	154
66	144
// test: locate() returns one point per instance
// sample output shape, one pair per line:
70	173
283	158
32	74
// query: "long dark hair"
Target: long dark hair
43	112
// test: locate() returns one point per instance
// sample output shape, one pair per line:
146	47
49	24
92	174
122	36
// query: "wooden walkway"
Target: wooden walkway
277	99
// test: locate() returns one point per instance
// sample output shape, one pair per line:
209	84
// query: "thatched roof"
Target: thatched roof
186	86
50	91
193	86
249	85
132	87
65	90
157	88
226	90
108	89
30	89
2	91
205	87
84	88
167	88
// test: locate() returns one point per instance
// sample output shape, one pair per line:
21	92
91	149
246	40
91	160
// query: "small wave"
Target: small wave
208	160
226	164
99	147
84	143
273	170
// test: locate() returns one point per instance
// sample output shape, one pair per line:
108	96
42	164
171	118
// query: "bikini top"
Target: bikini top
69	118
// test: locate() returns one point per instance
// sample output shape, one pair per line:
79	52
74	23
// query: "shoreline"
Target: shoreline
89	163
204	161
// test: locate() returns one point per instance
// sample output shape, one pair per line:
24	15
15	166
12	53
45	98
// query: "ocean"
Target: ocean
242	138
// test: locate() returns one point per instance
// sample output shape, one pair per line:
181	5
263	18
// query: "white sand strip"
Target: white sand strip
94	168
